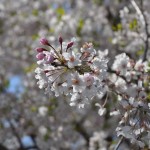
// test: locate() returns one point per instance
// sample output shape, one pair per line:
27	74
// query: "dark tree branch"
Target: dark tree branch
3	147
82	131
16	134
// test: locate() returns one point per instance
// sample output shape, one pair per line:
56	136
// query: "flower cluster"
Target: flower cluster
131	86
66	70
81	74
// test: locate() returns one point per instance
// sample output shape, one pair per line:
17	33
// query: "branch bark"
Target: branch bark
119	143
16	134
145	24
2	147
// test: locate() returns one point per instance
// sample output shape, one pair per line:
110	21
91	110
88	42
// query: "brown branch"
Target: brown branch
2	147
16	134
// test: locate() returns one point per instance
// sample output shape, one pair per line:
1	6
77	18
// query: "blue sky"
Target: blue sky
15	85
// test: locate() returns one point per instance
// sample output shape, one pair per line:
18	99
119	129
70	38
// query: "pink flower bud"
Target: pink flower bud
40	56
46	71
39	50
60	40
50	59
44	41
70	45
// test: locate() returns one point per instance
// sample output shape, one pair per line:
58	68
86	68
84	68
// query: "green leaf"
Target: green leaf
30	68
51	30
13	13
140	52
35	36
133	24
33	109
80	27
117	27
98	2
6	83
46	137
148	96
35	12
114	28
60	12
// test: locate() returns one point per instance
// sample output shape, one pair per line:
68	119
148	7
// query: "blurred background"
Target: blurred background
33	120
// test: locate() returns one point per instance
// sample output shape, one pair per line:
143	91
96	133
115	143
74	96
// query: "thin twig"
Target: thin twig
119	143
147	38
138	10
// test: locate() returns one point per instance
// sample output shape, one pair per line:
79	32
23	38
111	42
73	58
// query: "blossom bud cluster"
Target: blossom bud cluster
66	70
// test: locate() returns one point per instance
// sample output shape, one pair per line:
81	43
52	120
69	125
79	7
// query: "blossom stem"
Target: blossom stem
53	73
55	52
58	76
121	76
61	49
55	69
105	102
